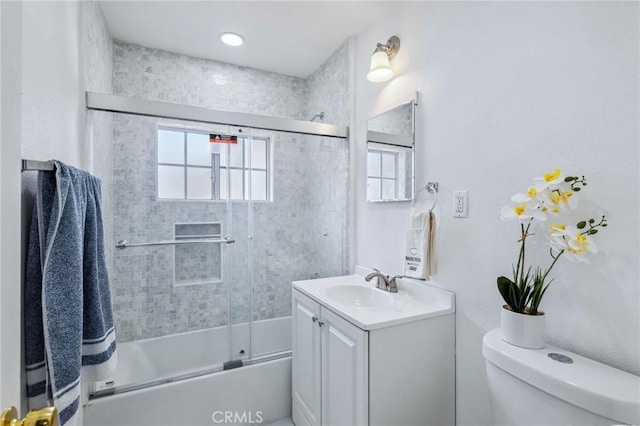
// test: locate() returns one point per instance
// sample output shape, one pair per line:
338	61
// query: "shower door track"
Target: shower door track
144	385
136	106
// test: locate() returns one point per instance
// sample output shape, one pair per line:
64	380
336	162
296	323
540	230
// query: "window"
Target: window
192	168
381	175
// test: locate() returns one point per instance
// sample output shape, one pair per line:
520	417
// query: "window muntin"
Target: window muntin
190	168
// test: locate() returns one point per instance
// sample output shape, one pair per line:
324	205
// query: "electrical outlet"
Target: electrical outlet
461	203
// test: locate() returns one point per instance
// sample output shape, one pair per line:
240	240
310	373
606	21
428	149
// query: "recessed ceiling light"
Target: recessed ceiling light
232	39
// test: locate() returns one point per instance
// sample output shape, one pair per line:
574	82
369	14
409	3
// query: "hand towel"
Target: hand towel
420	260
431	245
68	320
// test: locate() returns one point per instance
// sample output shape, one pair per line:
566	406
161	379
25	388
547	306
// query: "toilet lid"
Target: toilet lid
590	385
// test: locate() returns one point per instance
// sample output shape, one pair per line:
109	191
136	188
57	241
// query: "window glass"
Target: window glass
258	185
237	184
224	180
373	189
388	189
388	165
236	153
198	151
199	183
170	147
223	149
188	166
373	164
258	154
170	182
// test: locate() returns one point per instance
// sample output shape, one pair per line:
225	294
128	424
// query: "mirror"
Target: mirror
390	154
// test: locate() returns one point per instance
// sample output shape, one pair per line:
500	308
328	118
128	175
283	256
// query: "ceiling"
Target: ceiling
287	37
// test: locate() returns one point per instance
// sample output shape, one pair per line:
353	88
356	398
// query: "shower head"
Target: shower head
320	116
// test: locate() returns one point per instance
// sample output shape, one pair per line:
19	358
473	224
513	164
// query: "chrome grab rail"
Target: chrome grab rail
123	244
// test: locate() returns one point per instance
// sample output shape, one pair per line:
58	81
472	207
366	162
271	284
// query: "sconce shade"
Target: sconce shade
380	69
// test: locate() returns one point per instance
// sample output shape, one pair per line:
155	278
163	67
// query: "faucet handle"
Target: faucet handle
393	286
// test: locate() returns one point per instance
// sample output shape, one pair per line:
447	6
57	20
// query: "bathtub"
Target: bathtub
176	380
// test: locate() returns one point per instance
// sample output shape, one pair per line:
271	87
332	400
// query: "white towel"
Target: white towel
420	260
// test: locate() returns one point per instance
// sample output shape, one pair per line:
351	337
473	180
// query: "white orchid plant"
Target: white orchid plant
545	201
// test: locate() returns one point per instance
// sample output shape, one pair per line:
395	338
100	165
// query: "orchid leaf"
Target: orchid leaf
509	291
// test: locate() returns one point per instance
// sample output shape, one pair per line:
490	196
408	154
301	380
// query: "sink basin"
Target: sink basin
370	308
362	296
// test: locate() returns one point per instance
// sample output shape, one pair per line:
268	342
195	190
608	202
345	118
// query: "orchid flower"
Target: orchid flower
523	211
573	241
549	179
549	196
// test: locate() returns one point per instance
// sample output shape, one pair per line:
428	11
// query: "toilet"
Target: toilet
552	386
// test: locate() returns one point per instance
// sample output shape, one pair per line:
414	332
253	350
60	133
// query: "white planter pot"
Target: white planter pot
526	331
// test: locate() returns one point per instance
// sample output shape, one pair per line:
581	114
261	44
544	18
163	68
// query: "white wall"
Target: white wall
510	91
10	71
52	112
52	84
43	118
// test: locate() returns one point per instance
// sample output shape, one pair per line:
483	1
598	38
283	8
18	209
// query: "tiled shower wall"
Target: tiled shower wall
98	76
298	235
328	88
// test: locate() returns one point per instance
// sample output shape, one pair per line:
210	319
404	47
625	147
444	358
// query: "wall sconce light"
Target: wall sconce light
380	69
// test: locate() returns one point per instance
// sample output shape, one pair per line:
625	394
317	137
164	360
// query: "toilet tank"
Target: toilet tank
552	386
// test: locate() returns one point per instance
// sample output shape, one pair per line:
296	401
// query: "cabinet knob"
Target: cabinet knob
314	319
320	323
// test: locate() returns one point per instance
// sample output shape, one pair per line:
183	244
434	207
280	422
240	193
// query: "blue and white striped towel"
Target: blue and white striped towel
68	320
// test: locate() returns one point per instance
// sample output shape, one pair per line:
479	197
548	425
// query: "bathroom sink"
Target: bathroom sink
359	296
369	308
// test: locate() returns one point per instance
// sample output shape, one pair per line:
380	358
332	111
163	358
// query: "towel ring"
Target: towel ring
431	187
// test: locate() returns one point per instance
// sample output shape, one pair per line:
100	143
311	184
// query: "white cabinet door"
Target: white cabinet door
345	372
306	384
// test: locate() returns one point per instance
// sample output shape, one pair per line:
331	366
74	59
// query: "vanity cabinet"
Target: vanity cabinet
330	374
343	375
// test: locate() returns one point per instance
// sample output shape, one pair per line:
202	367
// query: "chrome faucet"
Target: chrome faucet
380	276
384	282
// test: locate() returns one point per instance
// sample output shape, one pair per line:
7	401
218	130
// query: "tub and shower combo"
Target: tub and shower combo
209	216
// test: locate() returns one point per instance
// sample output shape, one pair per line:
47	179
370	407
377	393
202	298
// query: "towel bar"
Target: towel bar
431	187
28	165
123	244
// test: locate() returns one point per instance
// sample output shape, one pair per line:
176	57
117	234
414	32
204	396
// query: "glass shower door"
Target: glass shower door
174	275
298	230
232	170
186	300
